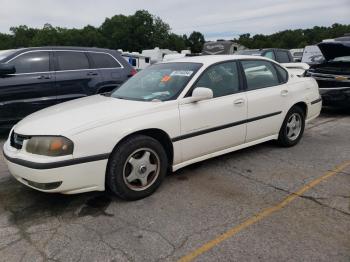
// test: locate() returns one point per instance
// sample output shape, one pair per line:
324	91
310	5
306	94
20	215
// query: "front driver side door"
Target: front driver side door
30	89
215	124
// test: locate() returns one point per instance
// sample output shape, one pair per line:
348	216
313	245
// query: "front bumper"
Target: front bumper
68	176
336	96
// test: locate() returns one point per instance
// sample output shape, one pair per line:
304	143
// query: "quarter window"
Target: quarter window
102	60
270	54
283	74
222	79
259	74
282	57
32	62
67	60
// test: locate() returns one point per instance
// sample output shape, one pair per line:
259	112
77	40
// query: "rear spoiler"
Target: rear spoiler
303	66
296	68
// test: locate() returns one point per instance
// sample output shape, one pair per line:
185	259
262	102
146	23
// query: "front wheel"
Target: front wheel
292	128
137	167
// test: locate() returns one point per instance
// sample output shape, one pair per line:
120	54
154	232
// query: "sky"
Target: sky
214	18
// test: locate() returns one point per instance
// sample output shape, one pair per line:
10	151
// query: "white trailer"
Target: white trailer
136	60
157	54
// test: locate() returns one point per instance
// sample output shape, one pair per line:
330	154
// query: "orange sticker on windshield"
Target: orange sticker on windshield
165	78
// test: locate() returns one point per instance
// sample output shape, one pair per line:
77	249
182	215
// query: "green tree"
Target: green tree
195	42
135	32
22	35
176	42
6	41
294	38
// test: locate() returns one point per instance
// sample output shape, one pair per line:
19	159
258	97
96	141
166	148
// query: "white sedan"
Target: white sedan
168	116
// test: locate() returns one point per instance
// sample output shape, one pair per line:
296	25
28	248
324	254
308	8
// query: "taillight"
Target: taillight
133	72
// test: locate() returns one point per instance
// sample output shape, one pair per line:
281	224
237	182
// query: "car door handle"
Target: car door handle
92	74
284	92
239	102
43	77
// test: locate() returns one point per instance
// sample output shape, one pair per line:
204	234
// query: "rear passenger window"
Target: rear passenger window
282	57
222	79
260	74
32	62
102	60
68	60
283	73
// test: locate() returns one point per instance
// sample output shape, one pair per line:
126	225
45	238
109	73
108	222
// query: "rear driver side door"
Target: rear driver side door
267	98
75	76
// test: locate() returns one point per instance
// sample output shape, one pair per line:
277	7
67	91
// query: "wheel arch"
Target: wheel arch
158	134
303	106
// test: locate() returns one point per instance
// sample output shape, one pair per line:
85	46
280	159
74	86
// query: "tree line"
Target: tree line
143	30
298	38
136	32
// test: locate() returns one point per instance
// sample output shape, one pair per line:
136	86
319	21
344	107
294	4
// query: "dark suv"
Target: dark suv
35	78
277	54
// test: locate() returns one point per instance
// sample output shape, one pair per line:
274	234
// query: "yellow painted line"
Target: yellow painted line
265	213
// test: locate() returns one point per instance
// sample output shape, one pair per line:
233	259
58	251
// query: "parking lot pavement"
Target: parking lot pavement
195	206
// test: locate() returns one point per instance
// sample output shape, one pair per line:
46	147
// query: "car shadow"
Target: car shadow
26	206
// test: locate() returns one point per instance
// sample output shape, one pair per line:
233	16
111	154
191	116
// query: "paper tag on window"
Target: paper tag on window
165	78
182	73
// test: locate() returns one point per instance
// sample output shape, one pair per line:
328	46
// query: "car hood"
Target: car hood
82	114
331	50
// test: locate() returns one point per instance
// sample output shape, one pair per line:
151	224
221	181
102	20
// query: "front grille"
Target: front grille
16	140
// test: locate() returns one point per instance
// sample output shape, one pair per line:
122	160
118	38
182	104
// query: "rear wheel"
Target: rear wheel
137	167
292	128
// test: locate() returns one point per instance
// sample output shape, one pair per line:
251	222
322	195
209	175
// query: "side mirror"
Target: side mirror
6	69
201	93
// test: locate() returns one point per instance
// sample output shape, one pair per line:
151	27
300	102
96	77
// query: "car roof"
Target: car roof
78	48
212	59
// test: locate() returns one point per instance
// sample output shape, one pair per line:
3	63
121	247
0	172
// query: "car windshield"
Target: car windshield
6	53
160	82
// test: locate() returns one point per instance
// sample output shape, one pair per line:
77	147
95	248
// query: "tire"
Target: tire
136	168
285	137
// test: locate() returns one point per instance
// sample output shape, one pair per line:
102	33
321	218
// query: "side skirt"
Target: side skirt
222	152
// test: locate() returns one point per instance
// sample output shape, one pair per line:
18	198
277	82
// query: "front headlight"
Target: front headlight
49	146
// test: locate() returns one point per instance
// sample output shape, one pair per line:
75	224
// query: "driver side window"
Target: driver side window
32	62
222	79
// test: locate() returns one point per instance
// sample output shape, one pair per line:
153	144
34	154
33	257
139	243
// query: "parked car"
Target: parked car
297	54
34	78
168	116
279	55
282	56
333	74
